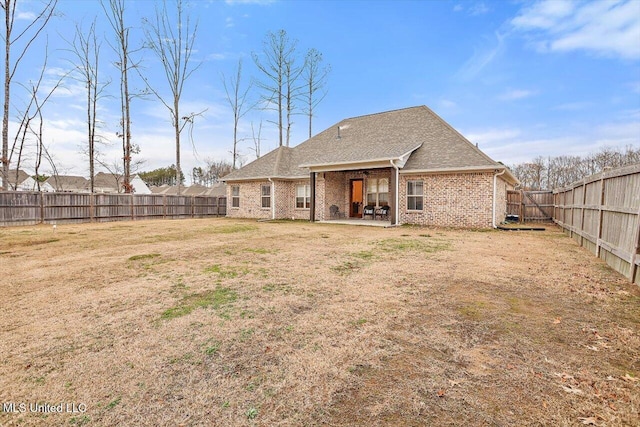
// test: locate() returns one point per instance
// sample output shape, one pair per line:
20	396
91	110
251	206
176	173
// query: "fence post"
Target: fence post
92	207
41	207
600	215
164	206
522	208
584	203
133	215
635	257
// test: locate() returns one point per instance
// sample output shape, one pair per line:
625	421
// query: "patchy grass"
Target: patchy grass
235	228
292	323
144	257
227	272
214	299
415	245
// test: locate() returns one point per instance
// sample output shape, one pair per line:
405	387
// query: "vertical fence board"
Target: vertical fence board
29	208
609	223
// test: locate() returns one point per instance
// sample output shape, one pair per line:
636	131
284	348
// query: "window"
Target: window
303	196
415	193
266	196
378	192
235	196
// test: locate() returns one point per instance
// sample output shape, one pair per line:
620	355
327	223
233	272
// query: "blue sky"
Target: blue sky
521	79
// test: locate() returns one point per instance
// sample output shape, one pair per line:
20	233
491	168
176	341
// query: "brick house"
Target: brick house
408	160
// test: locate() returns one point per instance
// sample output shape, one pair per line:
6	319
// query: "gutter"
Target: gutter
397	201
495	193
273	198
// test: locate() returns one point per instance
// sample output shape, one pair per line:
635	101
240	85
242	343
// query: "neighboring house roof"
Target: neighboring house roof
217	190
415	138
107	181
194	190
22	177
68	183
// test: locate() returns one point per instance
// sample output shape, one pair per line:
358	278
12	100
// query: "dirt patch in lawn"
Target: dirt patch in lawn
225	322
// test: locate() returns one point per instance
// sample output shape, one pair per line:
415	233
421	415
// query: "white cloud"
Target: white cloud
514	145
229	22
215	57
517	94
493	136
258	2
573	106
480	59
447	103
478	9
26	16
544	14
607	28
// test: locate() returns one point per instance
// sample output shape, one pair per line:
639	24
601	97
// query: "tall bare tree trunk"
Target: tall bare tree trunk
172	43
33	27
8	14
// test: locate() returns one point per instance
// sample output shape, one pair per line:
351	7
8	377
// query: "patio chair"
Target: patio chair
334	211
369	210
383	212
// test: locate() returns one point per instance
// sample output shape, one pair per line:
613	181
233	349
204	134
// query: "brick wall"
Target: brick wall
251	202
501	199
451	200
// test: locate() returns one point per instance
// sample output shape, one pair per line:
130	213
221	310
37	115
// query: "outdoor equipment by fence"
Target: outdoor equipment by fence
602	213
28	208
530	206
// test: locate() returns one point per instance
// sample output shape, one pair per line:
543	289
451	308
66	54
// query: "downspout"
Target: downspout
273	198
397	201
495	194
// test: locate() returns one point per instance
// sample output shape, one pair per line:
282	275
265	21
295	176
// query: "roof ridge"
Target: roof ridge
383	112
276	164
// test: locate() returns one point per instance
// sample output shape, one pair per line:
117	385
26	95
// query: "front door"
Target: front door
355	209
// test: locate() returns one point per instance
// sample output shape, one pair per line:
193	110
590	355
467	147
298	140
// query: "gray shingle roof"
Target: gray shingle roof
67	183
434	145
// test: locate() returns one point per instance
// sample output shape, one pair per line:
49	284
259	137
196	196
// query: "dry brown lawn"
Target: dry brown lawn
219	322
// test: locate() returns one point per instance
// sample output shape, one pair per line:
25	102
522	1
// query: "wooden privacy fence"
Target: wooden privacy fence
602	213
28	208
530	206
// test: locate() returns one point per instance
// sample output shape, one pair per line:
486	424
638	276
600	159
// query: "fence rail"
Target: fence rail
602	213
28	208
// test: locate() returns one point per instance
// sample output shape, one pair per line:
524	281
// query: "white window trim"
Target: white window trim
235	197
307	197
377	192
263	197
415	195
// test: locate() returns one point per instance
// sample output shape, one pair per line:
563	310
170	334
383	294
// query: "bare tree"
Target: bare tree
22	39
115	15
216	169
257	138
31	113
85	49
237	99
315	80
172	43
560	171
278	64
